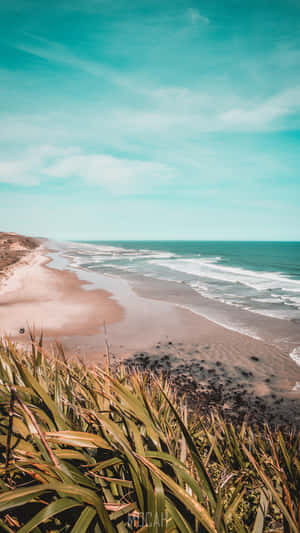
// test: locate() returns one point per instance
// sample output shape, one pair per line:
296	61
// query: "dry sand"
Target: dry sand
153	334
32	294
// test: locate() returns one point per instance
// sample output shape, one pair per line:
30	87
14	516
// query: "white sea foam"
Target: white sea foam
267	293
80	253
213	279
281	314
271	300
295	355
209	268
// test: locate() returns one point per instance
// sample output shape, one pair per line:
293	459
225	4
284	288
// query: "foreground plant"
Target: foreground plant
88	450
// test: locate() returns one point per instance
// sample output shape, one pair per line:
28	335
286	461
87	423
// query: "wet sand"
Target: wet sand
33	295
236	392
209	363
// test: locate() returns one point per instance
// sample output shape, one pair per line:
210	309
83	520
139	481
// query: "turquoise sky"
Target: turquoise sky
150	120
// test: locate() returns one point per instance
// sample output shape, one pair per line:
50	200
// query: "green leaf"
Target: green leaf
30	381
83	523
181	523
50	510
203	474
4	527
285	453
190	503
21	496
78	439
261	514
273	491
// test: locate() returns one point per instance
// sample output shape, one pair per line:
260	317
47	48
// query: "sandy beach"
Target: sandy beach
33	295
202	356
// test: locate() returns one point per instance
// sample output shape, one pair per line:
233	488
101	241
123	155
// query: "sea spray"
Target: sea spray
295	355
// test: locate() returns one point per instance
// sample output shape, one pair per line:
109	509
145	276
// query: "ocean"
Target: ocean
249	287
263	277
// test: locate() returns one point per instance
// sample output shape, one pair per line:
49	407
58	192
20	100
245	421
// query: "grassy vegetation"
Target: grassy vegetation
88	450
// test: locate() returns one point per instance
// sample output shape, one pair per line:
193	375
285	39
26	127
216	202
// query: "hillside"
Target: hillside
13	247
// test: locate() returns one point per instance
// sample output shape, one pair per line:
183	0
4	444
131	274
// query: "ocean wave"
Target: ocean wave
211	269
267	293
96	253
271	300
295	355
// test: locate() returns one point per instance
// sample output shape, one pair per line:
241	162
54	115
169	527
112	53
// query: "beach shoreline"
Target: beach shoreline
71	306
34	296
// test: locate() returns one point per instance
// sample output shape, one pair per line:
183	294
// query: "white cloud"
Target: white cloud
26	168
119	175
263	115
195	16
215	106
56	52
172	119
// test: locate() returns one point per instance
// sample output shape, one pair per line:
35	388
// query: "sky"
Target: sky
145	119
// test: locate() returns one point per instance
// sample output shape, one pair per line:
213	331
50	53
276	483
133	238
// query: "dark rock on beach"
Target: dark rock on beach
207	384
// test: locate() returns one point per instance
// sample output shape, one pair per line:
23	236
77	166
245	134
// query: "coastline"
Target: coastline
71	306
32	295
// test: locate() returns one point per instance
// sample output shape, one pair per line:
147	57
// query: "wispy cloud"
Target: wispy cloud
118	175
183	98
26	168
196	17
57	53
213	107
265	115
169	120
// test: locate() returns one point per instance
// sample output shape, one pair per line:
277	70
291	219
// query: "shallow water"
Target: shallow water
260	276
232	283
